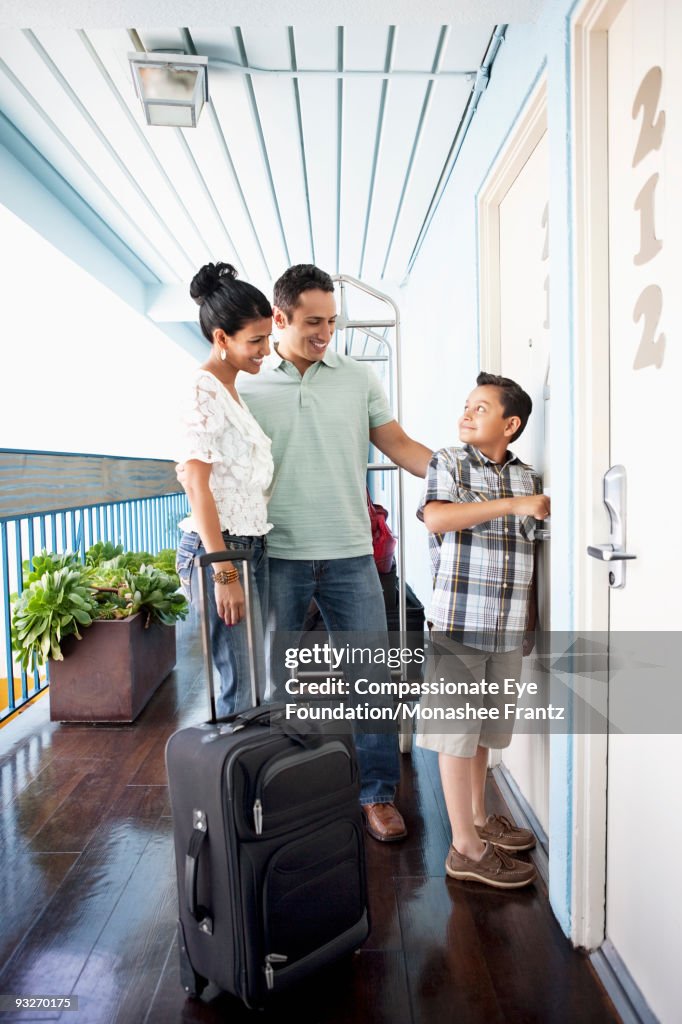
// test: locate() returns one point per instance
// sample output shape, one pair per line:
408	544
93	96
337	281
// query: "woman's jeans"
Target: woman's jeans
229	643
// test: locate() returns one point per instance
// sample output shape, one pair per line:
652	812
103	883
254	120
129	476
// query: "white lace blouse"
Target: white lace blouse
222	432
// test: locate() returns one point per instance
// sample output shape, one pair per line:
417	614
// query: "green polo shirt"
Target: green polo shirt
319	424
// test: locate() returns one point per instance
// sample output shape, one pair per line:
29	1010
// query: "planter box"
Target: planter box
111	673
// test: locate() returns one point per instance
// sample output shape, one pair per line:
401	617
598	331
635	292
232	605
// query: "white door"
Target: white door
644	818
524	356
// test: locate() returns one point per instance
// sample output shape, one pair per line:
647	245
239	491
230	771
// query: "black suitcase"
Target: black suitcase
268	842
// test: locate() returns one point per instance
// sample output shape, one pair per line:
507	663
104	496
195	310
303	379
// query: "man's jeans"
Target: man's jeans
349	596
229	643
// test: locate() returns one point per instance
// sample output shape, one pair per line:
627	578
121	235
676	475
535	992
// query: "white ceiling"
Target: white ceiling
261	13
337	171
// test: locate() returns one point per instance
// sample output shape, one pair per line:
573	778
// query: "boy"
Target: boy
479	505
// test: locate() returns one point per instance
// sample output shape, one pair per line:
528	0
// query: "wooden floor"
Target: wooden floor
88	898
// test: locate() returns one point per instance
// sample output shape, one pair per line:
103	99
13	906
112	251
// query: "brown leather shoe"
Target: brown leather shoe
495	868
500	831
384	822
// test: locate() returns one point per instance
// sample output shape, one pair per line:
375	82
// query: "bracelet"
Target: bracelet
225	576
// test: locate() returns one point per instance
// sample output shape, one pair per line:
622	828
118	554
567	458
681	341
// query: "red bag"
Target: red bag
383	541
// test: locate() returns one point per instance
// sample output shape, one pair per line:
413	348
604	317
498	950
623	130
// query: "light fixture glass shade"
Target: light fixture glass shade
172	87
170	115
168	83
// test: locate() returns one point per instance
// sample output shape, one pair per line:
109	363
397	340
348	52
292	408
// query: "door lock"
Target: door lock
615	501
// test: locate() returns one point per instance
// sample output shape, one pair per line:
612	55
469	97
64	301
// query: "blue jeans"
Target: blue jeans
229	643
349	596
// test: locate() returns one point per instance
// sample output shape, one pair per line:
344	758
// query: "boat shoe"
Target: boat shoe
495	868
500	831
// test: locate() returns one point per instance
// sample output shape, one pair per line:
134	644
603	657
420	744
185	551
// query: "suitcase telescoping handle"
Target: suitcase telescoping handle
242	555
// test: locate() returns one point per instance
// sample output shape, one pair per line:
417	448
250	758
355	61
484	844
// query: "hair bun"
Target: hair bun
206	280
226	270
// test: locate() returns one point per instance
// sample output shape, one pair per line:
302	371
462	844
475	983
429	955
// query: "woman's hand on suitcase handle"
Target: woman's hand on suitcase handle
229	599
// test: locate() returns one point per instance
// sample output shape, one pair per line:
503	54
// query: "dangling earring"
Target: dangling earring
223	353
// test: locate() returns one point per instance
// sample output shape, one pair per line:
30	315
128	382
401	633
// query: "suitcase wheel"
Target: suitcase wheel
193	983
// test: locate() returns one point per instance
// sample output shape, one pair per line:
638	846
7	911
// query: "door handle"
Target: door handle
542	530
607	553
615	493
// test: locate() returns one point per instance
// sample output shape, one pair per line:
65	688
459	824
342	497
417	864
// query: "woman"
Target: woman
228	469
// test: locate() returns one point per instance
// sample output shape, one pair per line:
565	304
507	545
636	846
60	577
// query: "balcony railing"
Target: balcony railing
68	502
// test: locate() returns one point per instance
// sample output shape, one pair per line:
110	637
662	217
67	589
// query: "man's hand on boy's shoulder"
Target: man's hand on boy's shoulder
535	505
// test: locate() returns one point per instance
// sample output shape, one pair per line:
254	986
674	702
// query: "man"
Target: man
321	410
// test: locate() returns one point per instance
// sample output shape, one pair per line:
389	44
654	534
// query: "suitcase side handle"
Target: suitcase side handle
241	555
199	833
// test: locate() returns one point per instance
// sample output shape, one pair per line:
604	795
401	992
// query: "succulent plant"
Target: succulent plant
60	593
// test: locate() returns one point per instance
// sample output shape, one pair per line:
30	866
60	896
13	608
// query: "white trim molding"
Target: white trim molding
589	38
529	128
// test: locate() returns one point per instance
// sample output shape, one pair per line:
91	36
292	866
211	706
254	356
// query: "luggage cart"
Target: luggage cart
387	351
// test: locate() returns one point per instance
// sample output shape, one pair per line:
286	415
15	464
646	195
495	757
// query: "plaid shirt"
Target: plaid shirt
481	575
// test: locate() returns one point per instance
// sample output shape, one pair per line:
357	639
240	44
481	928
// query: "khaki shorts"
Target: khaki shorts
455	663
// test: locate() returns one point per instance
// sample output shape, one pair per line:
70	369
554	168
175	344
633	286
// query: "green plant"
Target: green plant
122	593
45	562
50	608
60	594
105	554
155	592
102	551
165	561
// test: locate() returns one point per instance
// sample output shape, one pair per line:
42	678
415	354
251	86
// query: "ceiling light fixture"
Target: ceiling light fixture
172	87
